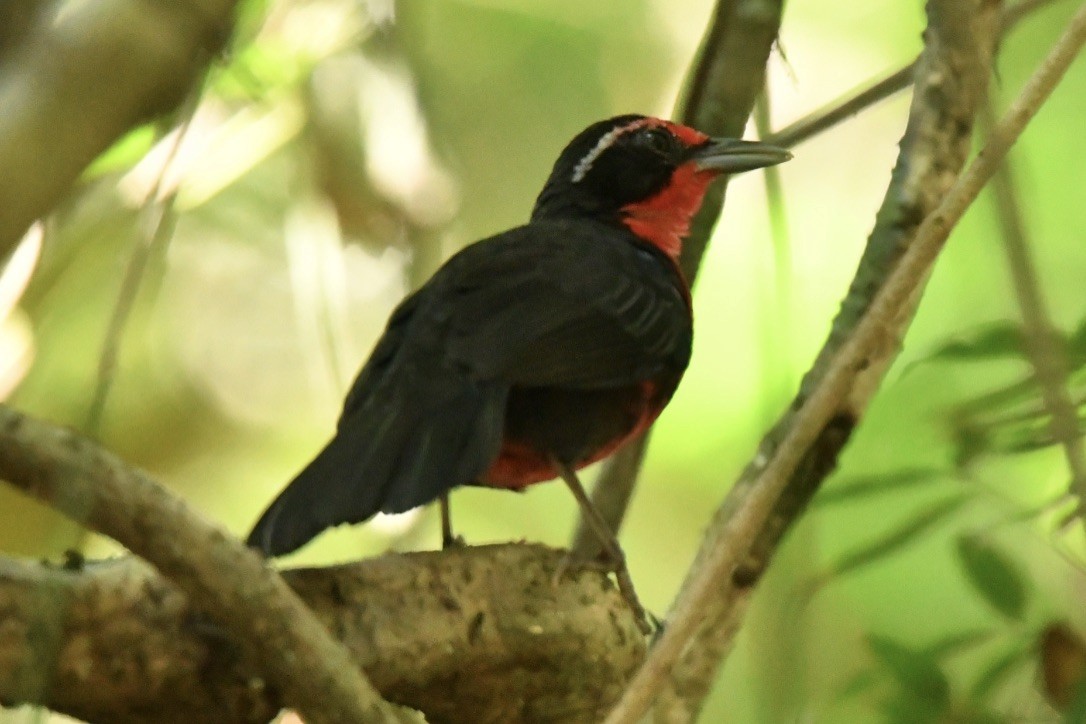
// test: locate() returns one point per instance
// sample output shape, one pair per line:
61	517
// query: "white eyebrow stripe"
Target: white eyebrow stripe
606	140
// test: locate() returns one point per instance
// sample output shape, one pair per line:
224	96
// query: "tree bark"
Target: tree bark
476	634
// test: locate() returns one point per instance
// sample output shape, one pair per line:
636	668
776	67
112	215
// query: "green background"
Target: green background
250	325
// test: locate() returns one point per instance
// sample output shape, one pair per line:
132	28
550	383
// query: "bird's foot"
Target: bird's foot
452	542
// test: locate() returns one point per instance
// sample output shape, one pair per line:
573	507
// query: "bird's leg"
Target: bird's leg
615	556
448	540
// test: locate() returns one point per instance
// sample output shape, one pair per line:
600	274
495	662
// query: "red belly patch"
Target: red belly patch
519	465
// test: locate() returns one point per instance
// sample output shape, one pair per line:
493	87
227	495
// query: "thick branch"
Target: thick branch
802	448
467	635
81	79
229	582
724	83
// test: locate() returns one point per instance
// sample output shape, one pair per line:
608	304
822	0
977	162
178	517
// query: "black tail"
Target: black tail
388	458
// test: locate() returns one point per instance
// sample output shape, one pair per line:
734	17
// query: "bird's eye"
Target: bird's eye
658	139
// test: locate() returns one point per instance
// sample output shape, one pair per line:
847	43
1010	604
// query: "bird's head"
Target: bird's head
645	173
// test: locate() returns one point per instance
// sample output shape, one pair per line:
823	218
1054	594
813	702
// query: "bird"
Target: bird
534	352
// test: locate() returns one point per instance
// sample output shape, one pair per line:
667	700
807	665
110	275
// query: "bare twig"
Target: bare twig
839	110
227	581
133	648
721	90
776	299
879	326
1042	341
155	235
61	110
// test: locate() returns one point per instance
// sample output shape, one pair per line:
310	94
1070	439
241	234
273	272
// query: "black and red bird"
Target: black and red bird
534	352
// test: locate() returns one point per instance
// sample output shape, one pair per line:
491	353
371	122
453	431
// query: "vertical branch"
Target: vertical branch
1041	339
723	85
797	454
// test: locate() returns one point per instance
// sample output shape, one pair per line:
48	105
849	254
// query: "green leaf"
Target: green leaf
897	539
906	709
1076	346
995	340
956	642
862	681
999	668
917	672
866	486
994	576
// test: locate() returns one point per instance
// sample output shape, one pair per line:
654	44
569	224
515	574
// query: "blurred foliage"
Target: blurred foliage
340	149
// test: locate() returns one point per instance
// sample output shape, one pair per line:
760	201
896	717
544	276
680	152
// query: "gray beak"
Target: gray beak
732	155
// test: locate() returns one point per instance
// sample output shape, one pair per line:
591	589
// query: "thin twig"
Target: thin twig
855	101
825	400
227	581
841	109
155	234
1042	341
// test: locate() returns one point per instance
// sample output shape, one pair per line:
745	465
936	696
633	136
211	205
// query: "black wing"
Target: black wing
573	305
566	304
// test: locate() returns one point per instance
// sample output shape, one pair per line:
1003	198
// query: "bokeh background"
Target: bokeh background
342	149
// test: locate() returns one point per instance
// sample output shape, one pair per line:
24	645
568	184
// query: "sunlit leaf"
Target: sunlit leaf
866	486
898	539
918	672
994	576
123	154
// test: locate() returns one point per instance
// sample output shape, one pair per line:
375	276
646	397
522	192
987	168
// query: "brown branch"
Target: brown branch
802	448
723	85
616	483
468	635
81	79
17	17
1042	341
229	582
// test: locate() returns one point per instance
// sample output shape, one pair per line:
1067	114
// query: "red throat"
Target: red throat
664	219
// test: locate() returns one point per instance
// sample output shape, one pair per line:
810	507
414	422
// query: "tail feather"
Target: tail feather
453	446
316	499
391	461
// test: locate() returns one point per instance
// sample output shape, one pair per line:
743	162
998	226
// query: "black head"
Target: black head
611	164
646	173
